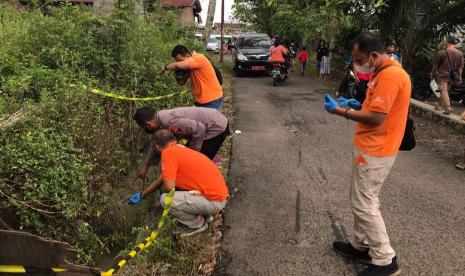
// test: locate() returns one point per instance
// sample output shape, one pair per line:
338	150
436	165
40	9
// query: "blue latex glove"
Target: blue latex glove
330	103
135	199
353	103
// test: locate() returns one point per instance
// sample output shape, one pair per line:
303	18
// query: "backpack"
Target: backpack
218	73
454	74
408	141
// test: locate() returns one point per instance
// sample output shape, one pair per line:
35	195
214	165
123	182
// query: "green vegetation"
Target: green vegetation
60	161
416	26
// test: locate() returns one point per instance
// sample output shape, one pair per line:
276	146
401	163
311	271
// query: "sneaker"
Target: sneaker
191	232
391	269
347	250
460	166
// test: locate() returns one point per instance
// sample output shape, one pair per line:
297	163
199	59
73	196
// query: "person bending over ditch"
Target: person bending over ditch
204	128
201	191
204	83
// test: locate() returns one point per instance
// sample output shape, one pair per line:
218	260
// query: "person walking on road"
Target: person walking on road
447	68
303	59
204	128
204	83
321	51
379	131
201	191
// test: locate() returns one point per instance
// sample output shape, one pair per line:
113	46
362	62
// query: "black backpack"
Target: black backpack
408	141
218	73
454	74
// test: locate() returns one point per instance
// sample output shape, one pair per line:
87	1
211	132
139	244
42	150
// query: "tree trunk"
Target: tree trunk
209	20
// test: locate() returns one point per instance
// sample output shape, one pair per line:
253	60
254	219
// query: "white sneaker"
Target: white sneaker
196	231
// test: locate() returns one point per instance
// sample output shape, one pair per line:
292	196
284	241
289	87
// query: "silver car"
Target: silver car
213	45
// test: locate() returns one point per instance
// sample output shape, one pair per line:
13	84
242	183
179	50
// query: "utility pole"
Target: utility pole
222	31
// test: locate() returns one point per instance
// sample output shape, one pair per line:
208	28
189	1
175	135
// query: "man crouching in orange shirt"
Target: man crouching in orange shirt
378	135
201	191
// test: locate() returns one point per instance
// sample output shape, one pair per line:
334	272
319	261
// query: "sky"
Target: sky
227	10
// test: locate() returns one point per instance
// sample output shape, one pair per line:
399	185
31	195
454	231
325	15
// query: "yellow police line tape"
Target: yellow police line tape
118	264
119	97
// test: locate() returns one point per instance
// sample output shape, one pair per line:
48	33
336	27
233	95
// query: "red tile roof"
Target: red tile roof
177	3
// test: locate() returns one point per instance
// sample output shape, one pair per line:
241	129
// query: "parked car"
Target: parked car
213	45
251	53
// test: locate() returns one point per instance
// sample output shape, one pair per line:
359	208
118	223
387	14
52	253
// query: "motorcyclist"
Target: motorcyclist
293	53
277	53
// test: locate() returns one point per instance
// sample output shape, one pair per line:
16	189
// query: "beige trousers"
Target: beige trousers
444	101
368	175
190	209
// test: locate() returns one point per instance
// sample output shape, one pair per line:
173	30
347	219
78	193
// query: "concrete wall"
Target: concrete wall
186	16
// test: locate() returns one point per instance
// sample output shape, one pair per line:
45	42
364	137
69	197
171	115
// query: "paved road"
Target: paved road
291	166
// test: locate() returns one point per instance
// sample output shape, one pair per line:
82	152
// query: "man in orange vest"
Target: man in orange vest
378	135
204	83
201	191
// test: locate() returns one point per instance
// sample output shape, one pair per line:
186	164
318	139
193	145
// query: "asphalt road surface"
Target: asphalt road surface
291	168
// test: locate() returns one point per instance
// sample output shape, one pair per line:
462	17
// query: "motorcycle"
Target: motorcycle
279	73
348	86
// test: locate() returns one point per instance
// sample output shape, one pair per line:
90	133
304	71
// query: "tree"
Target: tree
256	13
416	26
209	21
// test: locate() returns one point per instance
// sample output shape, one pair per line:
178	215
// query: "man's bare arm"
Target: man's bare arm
181	65
365	117
153	187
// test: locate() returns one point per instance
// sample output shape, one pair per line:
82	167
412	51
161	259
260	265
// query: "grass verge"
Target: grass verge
194	255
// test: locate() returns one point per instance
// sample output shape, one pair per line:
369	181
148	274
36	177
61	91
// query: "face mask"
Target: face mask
364	69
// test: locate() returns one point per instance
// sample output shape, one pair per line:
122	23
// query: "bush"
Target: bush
58	164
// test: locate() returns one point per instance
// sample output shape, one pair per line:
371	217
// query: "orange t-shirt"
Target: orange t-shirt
204	83
276	53
191	170
388	92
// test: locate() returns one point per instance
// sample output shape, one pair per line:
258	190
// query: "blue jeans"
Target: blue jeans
216	104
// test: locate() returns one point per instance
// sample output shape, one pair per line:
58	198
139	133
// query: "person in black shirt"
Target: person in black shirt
321	51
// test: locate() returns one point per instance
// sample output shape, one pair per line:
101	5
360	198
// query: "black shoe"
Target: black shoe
347	250
386	270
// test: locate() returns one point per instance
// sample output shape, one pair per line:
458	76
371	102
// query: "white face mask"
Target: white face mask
364	69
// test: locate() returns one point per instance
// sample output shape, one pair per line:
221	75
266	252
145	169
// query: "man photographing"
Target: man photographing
378	135
204	83
201	191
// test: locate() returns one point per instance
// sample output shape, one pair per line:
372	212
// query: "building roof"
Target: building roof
177	3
